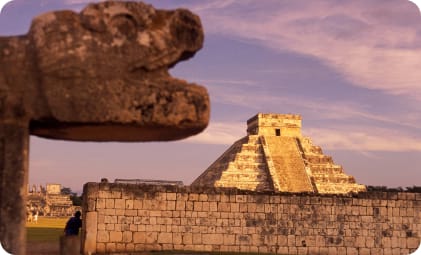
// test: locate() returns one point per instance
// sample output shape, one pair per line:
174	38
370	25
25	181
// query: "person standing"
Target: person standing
36	217
73	225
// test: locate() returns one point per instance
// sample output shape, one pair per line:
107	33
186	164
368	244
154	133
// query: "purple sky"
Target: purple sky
350	68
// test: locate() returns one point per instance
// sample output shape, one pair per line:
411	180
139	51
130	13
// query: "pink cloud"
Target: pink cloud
375	45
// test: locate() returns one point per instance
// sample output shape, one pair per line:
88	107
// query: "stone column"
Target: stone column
14	145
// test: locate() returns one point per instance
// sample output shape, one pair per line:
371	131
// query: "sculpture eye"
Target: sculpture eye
124	25
92	19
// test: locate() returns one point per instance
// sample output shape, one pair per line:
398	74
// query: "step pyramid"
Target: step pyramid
274	156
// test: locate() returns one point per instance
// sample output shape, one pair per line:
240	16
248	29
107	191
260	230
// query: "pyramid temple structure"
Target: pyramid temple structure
274	156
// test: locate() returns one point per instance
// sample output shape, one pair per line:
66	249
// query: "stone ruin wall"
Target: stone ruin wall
134	218
48	201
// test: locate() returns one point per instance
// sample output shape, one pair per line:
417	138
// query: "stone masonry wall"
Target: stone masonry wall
133	218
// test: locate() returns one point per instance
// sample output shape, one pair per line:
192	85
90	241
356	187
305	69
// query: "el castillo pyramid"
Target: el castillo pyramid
274	156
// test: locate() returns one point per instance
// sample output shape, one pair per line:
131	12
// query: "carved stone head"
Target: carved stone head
103	73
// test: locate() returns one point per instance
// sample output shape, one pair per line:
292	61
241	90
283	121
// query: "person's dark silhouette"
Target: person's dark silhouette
73	225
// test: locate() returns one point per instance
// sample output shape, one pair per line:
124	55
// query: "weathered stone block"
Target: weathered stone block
212	239
151	237
116	236
413	242
139	237
187	238
171	196
103	236
165	238
110	247
197	237
100	247
127	236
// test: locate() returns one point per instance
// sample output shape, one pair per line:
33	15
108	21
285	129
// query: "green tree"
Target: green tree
66	191
76	200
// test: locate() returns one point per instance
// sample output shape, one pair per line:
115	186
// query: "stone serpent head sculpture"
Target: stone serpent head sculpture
102	74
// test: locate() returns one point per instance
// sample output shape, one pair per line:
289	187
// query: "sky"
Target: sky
351	69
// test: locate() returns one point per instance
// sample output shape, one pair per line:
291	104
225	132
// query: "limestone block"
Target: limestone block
197	206
165	238
151	237
130	212
110	219
139	237
109	227
413	242
120	203
119	212
116	236
120	247
129	204
127	236
116	194
177	238
203	197
187	238
109	203
193	197
396	251
110	247
138	204
180	205
171	205
197	237
171	196
167	247
155	213
140	247
103	236
100	226
189	206
213	206
216	239
100	247
182	197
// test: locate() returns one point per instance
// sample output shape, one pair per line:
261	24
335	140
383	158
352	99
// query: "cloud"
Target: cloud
332	110
220	133
363	140
374	44
359	139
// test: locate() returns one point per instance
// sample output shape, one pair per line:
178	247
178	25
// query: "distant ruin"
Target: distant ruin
274	156
49	201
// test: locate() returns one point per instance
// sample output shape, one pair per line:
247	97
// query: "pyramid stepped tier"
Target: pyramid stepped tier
59	200
242	166
325	174
275	156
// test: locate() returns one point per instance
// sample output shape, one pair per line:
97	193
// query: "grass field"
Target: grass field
43	237
47	229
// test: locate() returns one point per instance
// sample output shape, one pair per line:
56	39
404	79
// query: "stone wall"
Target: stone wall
131	218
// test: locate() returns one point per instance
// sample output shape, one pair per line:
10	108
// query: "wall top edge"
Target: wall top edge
93	187
274	116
